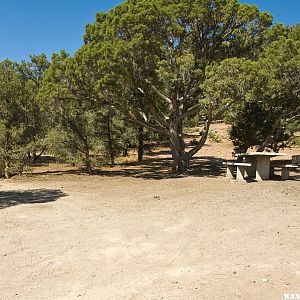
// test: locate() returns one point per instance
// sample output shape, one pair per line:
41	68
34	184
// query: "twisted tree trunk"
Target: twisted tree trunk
181	159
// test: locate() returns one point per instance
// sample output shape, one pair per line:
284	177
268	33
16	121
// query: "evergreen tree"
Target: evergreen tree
19	115
151	57
264	94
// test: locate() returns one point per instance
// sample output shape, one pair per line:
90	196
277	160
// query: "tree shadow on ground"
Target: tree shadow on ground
159	168
13	198
151	168
155	167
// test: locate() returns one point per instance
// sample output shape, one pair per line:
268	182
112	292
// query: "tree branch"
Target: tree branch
204	134
219	113
188	113
159	117
159	93
192	92
155	112
146	124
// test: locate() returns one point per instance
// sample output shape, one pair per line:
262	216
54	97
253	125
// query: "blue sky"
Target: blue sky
47	26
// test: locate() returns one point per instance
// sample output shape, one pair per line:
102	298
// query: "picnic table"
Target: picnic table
260	163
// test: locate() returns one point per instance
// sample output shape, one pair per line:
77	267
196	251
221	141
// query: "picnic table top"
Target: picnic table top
271	154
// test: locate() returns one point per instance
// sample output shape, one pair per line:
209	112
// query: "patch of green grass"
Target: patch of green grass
296	140
214	136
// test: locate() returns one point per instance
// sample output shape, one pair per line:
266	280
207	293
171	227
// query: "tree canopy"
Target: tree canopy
154	66
21	122
265	93
154	55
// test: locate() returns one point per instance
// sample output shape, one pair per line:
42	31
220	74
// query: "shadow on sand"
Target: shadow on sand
152	168
155	166
12	198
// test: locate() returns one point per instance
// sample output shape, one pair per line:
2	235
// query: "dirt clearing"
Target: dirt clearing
96	237
135	232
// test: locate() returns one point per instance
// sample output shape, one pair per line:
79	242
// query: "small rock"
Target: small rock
234	272
265	280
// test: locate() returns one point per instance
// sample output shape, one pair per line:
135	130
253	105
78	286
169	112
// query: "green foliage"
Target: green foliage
296	140
117	134
251	127
214	136
150	57
85	124
68	99
264	95
164	65
32	73
20	120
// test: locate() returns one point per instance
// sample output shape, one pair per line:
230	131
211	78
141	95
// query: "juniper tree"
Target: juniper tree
154	55
33	72
20	121
264	93
67	96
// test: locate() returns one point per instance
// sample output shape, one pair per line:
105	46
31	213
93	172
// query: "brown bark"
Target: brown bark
110	142
88	163
7	155
181	160
140	144
7	173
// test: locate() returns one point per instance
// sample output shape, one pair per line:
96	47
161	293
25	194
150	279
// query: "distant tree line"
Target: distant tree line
150	69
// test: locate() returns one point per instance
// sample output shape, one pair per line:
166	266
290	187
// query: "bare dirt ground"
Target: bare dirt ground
135	232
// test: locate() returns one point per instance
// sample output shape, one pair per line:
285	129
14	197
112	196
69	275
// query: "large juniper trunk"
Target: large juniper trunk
181	159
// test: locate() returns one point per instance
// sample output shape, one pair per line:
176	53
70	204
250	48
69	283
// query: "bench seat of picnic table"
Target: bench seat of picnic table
285	169
240	172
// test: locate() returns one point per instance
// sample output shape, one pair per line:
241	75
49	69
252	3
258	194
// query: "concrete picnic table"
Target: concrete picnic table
260	163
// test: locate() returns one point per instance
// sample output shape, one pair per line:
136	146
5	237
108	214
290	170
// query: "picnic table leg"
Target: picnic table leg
272	171
262	168
250	171
240	173
285	174
229	172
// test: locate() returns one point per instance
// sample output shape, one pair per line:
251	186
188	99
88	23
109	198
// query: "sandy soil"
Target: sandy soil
138	233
